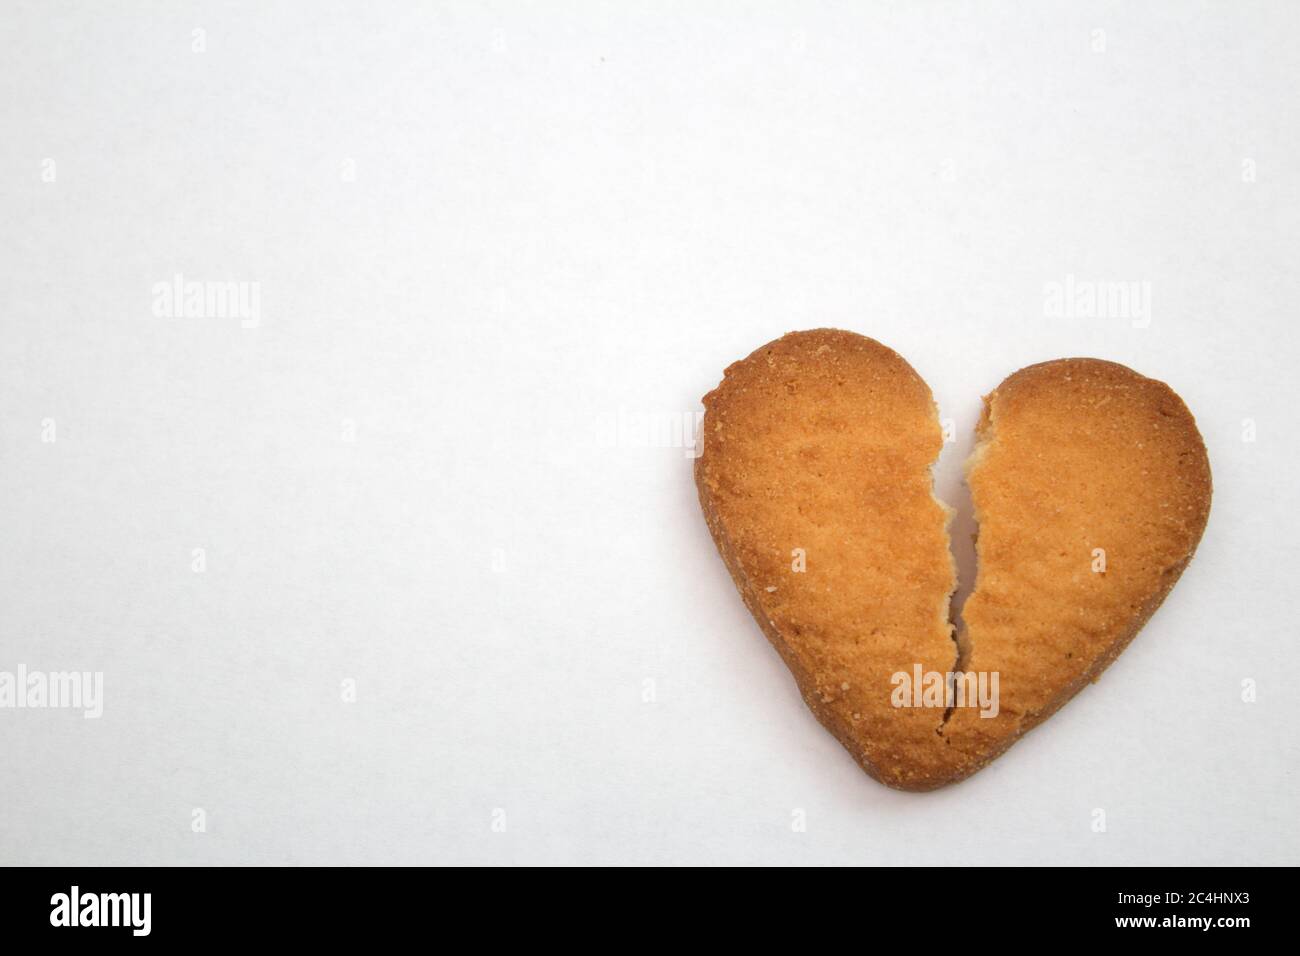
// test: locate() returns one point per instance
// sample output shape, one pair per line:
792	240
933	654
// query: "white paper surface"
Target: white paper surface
490	243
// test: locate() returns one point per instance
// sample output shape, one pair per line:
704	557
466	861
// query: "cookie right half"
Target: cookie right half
1091	487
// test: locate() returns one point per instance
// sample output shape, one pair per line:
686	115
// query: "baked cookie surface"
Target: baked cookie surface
815	481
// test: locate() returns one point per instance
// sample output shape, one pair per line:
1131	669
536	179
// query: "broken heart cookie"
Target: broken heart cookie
1091	488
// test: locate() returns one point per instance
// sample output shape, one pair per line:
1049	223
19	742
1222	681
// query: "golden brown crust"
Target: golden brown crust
815	482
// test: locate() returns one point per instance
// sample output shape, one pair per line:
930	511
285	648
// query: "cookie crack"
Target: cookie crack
961	639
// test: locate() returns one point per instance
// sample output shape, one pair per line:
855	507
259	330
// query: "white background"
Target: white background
564	215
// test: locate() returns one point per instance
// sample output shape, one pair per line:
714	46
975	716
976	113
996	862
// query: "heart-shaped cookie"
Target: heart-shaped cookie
1091	487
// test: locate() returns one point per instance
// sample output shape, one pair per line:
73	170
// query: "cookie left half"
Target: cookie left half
815	481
